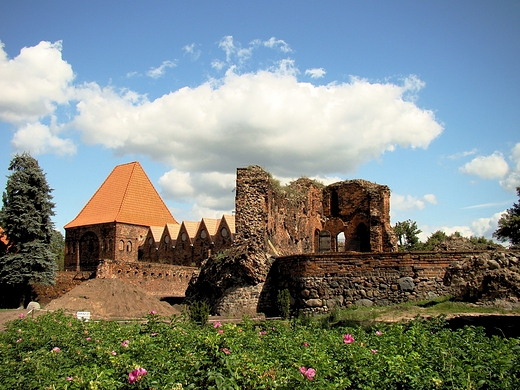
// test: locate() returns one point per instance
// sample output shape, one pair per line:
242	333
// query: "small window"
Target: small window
166	239
224	232
150	241
203	234
129	246
121	245
184	237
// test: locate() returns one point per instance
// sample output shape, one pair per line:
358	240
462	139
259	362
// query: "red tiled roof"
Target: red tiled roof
230	219
211	225
126	196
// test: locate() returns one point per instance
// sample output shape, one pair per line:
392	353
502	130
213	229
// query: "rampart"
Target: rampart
161	280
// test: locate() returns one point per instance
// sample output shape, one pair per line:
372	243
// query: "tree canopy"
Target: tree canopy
25	216
407	234
509	224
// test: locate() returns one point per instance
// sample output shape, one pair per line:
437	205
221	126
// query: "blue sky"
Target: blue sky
420	96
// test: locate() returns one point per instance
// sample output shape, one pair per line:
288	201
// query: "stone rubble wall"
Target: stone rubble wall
162	280
320	282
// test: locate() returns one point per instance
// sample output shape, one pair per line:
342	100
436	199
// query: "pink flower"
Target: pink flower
88	339
348	339
240	331
56	349
114	353
262	332
19	331
379	333
220	331
309	373
225	350
374	351
21	315
305	344
69	378
125	344
153	312
137	374
154	334
217	324
19	340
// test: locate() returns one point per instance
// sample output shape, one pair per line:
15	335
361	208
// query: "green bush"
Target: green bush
284	303
56	351
198	312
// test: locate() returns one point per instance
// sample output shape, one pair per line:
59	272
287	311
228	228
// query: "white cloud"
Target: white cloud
316	73
38	139
190	49
487	167
410	203
155	73
512	180
266	117
33	83
279	44
462	154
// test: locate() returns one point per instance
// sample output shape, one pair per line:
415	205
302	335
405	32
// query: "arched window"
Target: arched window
224	232
334	204
121	245
324	241
129	246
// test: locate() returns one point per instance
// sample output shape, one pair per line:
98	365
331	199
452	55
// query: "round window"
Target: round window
166	239
150	241
203	234
224	232
184	237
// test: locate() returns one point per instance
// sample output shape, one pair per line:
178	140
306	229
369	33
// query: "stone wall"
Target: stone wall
163	280
319	282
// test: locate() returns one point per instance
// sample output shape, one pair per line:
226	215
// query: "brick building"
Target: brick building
116	220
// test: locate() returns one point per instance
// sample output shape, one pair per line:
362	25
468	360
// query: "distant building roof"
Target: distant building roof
126	196
211	224
230	219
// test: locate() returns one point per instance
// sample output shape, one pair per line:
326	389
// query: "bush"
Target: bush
198	312
284	303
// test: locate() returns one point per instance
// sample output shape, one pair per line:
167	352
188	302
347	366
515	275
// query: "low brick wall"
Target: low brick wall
162	280
319	282
64	282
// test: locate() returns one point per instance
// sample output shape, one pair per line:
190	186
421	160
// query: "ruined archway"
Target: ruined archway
340	242
88	251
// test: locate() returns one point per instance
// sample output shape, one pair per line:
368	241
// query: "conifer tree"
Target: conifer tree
26	219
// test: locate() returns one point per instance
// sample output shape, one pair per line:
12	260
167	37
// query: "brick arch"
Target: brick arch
88	251
357	237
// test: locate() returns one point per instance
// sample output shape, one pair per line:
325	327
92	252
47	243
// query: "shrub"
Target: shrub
198	312
284	303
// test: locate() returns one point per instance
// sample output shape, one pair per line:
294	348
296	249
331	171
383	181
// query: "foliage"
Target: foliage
407	235
284	303
58	248
26	219
435	239
57	351
509	224
198	312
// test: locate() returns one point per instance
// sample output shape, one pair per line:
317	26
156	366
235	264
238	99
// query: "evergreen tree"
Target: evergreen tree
26	219
509	224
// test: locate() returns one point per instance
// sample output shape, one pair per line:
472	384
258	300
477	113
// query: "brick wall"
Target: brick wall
163	280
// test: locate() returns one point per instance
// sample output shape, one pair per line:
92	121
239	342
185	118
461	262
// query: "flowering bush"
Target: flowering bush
52	351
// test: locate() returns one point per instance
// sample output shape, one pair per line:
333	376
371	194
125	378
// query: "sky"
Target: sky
422	96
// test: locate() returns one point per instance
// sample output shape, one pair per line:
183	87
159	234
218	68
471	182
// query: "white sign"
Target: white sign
83	315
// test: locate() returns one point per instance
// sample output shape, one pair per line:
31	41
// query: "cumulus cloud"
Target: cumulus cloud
410	203
202	133
279	44
316	73
155	73
487	167
512	180
37	139
33	83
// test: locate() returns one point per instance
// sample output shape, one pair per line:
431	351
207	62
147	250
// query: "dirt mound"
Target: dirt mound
111	299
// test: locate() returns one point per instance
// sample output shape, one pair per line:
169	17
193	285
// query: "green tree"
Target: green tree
436	238
58	248
26	219
509	224
407	235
